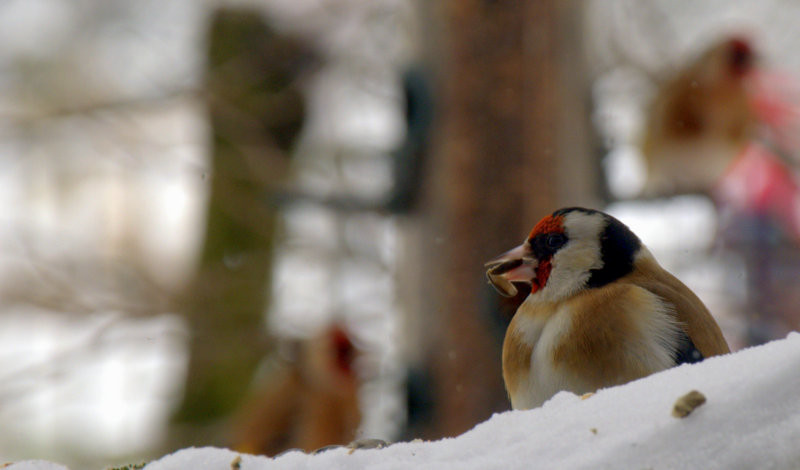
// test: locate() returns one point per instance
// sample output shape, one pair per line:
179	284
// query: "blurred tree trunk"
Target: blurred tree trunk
256	112
512	146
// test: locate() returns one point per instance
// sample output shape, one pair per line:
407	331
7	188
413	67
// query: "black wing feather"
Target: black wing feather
687	353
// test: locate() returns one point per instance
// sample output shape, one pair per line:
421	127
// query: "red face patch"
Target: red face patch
542	273
549	224
344	351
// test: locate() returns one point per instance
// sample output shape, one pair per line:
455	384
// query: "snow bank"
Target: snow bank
751	419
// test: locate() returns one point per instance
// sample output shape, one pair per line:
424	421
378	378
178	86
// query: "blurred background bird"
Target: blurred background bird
700	120
307	400
725	127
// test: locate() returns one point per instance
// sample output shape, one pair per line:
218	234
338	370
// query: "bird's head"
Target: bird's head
732	60
568	251
740	57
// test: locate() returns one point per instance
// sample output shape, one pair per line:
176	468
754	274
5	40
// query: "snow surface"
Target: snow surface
751	419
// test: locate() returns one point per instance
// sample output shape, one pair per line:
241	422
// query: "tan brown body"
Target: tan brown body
606	336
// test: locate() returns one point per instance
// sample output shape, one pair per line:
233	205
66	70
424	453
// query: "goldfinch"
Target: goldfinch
601	311
308	401
700	120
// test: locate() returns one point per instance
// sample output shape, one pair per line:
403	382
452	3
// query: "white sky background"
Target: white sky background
84	196
106	204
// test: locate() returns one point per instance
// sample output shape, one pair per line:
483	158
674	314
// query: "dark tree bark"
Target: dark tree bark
511	147
256	112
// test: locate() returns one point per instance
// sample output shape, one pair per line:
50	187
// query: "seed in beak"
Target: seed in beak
502	285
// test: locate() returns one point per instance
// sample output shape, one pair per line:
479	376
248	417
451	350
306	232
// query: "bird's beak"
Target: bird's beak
516	264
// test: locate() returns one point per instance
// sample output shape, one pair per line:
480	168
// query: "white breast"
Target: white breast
649	345
544	379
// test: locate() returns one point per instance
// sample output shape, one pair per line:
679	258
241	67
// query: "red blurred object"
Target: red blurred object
775	97
760	183
763	181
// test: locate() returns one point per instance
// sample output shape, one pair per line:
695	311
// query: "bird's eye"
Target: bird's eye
555	241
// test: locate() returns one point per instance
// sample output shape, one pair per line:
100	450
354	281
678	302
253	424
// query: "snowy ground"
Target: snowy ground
751	419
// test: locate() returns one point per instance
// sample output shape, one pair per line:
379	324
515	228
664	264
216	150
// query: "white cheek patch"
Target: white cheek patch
573	262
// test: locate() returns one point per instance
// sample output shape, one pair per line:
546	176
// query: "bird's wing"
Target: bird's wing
701	328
